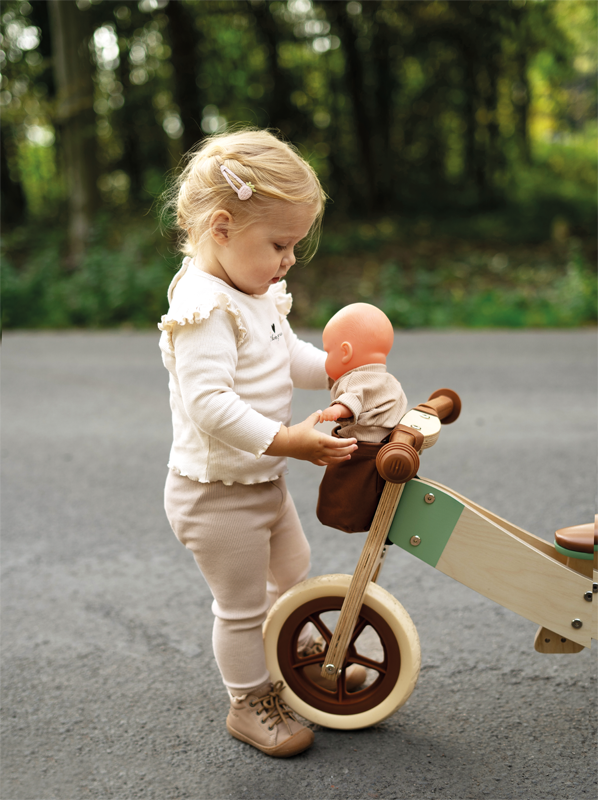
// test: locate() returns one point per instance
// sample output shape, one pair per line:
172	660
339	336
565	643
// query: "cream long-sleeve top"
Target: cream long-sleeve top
233	360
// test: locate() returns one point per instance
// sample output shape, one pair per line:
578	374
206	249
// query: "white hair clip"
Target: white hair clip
245	191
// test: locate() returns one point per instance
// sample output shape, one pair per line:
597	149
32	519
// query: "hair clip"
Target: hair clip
245	191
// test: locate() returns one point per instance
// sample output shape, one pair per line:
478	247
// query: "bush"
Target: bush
412	269
122	280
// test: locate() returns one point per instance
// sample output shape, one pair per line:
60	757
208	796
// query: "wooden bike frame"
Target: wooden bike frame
500	561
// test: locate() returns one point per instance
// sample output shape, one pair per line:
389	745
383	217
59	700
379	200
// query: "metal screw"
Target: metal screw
425	416
595	588
577	623
330	669
588	596
417	428
429	498
415	540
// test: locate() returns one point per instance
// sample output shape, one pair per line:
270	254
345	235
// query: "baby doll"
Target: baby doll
367	401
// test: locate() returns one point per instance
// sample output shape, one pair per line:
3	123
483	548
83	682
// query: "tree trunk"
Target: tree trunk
521	103
355	80
382	40
75	119
131	159
281	111
12	197
494	155
184	38
474	162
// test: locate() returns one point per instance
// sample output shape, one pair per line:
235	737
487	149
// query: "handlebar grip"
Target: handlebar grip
443	403
398	461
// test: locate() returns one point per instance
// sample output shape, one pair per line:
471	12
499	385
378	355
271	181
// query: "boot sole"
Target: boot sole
298	743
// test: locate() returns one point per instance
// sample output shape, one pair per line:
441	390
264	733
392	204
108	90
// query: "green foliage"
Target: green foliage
456	140
397	104
422	274
122	281
414	271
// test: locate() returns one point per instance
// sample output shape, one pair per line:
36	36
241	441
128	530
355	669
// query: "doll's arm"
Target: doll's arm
334	412
350	405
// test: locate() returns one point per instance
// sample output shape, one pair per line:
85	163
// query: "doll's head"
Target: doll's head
249	175
357	335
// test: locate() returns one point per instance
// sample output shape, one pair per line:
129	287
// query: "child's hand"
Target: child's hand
337	411
303	442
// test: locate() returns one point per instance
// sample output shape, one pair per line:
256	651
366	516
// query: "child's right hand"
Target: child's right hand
301	441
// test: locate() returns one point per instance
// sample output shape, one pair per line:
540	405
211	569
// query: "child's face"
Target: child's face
263	253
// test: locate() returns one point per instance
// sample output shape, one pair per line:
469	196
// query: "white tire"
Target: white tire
396	672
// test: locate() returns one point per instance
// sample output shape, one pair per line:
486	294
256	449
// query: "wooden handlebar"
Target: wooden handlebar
444	404
398	461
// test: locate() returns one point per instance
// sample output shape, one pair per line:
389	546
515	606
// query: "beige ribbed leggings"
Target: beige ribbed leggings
248	543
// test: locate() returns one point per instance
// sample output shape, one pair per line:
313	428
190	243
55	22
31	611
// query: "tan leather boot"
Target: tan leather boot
355	675
265	721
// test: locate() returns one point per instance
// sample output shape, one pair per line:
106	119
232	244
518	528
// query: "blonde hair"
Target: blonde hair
276	170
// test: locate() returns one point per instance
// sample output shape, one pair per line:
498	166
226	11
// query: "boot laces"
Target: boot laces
315	647
274	707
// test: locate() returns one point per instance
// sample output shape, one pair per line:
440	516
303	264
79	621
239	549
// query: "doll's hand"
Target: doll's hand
303	442
337	411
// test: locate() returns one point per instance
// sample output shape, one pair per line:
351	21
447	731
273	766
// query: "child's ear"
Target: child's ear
220	224
347	351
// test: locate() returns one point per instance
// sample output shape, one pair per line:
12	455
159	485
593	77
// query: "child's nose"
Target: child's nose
289	259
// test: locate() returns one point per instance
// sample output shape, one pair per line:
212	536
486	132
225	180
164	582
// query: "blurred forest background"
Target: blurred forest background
456	140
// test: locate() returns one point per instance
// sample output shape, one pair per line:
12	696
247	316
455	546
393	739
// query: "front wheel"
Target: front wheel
384	641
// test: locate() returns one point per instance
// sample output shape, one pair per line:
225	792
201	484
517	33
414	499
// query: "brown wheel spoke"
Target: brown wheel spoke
305	661
368	663
320	626
359	628
341	685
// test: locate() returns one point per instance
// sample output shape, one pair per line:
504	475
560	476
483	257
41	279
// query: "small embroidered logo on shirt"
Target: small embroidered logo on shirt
274	337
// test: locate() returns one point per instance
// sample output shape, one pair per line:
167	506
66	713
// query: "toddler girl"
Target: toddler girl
244	201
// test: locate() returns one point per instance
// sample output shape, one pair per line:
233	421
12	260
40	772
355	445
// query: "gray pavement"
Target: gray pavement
109	685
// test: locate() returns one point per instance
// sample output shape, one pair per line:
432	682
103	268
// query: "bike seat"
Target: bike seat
579	538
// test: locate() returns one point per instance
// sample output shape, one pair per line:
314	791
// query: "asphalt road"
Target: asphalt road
109	685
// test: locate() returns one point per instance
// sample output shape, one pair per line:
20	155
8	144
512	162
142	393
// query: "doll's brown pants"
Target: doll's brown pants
248	543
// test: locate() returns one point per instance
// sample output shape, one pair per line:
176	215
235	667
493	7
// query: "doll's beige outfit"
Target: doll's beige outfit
375	398
233	360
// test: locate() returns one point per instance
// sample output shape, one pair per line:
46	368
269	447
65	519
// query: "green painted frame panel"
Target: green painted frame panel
432	522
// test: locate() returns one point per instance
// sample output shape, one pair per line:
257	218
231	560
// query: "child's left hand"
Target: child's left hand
301	441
